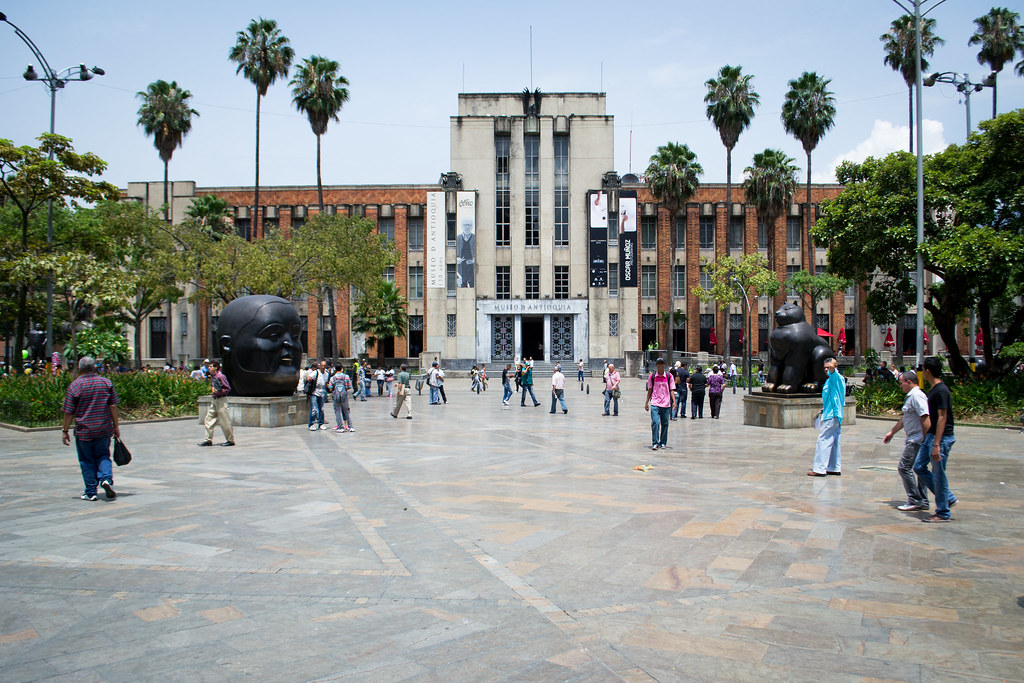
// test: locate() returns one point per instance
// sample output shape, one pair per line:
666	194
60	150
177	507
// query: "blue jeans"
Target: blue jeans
94	459
435	395
827	454
316	410
507	393
680	410
935	480
528	387
659	418
608	398
558	395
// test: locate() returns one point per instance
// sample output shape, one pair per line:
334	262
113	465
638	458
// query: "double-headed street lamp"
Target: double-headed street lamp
746	336
53	81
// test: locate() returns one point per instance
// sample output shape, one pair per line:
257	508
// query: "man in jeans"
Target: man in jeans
661	399
318	378
611	384
937	442
558	390
916	422
827	454
92	401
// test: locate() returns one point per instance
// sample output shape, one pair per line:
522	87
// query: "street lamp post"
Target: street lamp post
53	81
746	336
966	87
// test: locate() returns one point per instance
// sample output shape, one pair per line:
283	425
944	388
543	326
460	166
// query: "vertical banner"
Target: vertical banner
627	239
598	204
465	240
435	239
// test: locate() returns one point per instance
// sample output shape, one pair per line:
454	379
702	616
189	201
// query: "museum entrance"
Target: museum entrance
533	337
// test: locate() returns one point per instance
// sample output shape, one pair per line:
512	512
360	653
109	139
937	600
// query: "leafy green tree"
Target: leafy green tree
382	312
769	187
901	54
1000	37
29	179
210	213
99	342
263	55
731	101
807	114
166	115
816	287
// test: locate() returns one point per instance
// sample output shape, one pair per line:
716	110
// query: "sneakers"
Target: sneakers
339	429
351	429
108	489
312	428
664	446
325	427
205	443
228	443
654	447
86	496
911	507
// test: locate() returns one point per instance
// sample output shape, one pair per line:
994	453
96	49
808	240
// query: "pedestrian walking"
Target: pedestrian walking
937	442
506	385
528	386
716	386
317	381
733	375
612	392
661	399
362	383
558	389
217	413
91	401
402	394
339	387
915	421
579	371
682	380
697	385
827	452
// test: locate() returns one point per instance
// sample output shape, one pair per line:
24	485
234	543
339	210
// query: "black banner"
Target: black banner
597	203
627	239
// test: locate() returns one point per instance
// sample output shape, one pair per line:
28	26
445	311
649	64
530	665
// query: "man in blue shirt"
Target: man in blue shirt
827	456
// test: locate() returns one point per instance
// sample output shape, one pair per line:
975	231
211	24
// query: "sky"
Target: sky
406	63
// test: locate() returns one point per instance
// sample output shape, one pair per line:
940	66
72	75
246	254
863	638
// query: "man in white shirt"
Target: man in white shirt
732	376
318	378
915	421
558	390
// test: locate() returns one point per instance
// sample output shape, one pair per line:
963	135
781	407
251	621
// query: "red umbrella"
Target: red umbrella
824	333
889	341
713	338
741	336
980	339
926	335
842	337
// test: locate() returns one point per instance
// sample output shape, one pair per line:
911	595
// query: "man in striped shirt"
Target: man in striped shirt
92	401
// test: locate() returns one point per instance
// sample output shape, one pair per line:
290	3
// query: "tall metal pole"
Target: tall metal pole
49	240
920	185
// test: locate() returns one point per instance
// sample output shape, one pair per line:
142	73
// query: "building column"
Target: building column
721	247
692	277
517	335
547	337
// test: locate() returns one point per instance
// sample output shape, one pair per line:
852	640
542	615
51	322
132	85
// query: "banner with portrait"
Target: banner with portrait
627	239
435	241
598	205
465	239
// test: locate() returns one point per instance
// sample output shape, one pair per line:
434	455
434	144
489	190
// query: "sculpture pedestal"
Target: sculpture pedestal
789	411
262	411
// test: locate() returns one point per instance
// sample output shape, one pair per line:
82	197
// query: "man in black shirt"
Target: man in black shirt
697	384
937	442
682	377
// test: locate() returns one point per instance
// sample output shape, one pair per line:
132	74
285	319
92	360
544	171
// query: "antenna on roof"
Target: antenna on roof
531	56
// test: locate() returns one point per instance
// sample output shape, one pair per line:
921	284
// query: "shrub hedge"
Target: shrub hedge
35	400
974	400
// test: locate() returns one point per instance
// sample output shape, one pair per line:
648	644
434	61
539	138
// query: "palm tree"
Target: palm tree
381	313
318	92
1000	37
808	112
210	213
769	186
901	55
731	103
673	177
166	115
263	55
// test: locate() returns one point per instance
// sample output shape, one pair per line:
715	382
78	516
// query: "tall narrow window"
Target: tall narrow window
736	232
502	192
790	272
415	228
389	273
679	282
648	232
613	279
793	230
503	282
452	330
762	235
451	282
531	197
158	337
648	281
680	227
705	279
707	232
561	282
613	228
415	282
532	282
561	190
451	228
386	227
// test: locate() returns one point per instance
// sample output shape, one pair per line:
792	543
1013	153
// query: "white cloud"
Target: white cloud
886	137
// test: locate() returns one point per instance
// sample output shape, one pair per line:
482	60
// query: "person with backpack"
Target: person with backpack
339	386
661	399
316	390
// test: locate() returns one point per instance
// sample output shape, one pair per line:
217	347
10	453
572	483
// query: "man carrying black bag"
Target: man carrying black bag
92	401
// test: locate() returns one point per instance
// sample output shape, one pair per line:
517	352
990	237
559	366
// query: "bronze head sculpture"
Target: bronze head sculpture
260	347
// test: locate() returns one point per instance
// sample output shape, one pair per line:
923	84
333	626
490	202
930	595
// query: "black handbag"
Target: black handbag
122	456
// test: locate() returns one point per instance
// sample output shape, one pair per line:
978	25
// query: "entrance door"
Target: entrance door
533	336
561	337
503	341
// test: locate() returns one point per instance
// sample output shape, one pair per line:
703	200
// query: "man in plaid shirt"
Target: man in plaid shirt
92	402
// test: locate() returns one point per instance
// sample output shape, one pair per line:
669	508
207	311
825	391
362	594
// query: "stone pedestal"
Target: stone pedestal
262	411
792	411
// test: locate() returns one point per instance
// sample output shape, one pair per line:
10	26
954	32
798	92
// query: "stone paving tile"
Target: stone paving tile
475	543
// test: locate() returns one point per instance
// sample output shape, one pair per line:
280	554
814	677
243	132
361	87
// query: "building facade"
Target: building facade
531	245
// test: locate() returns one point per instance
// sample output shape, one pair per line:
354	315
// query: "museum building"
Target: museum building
530	245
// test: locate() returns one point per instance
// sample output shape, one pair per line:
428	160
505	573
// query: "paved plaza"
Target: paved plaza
475	543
